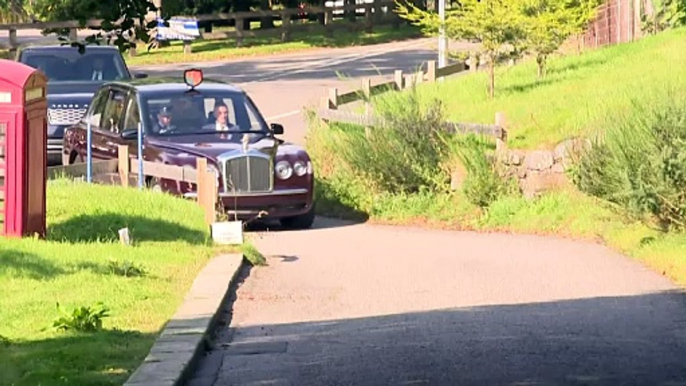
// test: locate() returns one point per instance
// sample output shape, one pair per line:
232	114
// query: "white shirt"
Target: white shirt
221	126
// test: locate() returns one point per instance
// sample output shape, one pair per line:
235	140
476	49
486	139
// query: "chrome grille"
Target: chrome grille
65	116
248	174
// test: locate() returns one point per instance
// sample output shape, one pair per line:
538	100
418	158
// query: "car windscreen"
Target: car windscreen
70	65
183	113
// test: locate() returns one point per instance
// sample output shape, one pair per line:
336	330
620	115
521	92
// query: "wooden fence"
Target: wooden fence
373	15
124	171
329	111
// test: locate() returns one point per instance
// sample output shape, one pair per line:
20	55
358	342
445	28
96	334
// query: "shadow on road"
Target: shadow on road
633	340
319	223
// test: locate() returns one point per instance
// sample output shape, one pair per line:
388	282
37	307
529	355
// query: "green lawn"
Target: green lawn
73	267
573	99
210	50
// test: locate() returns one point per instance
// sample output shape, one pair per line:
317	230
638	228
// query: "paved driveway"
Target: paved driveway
372	305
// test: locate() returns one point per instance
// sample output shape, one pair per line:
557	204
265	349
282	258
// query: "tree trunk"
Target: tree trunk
541	61
266	22
491	75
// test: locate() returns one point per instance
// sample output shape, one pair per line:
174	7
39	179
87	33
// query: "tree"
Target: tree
549	23
121	21
495	24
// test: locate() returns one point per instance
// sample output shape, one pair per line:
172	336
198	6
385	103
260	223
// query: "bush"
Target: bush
485	181
404	154
640	163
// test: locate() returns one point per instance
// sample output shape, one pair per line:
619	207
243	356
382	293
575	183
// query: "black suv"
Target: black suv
73	78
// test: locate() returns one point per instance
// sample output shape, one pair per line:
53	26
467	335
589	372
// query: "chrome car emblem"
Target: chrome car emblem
245	140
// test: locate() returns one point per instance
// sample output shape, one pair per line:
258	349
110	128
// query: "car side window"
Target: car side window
114	110
94	114
133	116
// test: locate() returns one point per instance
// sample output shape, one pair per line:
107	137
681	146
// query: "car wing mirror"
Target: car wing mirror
129	134
140	75
277	129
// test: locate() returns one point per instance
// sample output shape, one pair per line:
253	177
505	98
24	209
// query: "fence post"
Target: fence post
431	71
333	98
473	62
285	26
205	188
211	203
398	76
14	44
123	167
239	31
368	22
367	88
501	142
328	19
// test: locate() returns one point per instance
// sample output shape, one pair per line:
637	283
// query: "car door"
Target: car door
92	116
130	122
108	137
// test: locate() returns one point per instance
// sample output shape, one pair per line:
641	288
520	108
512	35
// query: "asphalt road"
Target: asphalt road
356	304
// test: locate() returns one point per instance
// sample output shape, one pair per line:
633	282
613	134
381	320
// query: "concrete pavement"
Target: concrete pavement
357	304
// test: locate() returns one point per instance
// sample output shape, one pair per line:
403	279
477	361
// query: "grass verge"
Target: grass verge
225	49
83	263
573	98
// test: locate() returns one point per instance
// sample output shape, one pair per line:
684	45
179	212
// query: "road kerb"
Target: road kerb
183	340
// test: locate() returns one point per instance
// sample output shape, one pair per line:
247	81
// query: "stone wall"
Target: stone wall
541	170
537	171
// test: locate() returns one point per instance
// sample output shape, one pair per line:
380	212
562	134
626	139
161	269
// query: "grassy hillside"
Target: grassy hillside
575	97
83	263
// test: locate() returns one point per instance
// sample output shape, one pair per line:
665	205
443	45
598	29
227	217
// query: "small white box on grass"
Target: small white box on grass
227	232
124	237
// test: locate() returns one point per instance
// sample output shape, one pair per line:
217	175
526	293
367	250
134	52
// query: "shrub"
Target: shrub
485	181
640	163
83	319
404	154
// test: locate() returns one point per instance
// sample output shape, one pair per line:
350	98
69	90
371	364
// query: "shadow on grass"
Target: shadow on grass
27	265
330	204
632	339
528	86
105	227
107	357
574	66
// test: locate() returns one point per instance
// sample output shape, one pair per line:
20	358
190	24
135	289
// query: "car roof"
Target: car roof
58	47
162	85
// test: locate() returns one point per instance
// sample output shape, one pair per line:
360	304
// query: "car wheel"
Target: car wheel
69	159
303	221
155	185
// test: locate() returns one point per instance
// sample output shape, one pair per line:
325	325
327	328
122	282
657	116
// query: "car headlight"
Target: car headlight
283	170
299	168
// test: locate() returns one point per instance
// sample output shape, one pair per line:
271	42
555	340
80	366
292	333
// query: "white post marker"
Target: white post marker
442	41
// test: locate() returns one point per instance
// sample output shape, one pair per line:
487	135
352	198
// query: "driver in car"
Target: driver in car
164	120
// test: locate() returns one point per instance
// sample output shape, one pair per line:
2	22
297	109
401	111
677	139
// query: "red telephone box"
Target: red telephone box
23	149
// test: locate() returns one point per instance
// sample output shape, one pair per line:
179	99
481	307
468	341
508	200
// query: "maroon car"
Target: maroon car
257	173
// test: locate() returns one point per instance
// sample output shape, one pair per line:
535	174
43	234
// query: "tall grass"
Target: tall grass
639	163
